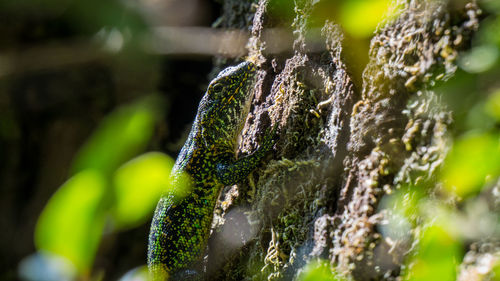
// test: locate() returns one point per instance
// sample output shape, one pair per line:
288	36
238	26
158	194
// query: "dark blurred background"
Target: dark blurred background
64	66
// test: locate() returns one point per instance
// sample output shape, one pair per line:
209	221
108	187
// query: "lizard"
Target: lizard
180	227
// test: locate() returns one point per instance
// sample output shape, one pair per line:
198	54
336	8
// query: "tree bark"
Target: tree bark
345	139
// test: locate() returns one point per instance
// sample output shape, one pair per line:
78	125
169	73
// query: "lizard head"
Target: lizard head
224	108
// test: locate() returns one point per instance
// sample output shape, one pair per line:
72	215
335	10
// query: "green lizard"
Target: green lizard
180	229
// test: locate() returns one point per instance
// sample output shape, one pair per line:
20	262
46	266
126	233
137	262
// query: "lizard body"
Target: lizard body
180	228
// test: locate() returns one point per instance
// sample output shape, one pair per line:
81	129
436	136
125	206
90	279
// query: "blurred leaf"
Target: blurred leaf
72	222
403	206
361	17
496	272
479	59
491	5
489	33
138	185
437	256
492	106
460	91
478	118
405	201
318	271
123	134
472	160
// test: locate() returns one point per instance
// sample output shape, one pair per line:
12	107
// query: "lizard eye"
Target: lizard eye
217	88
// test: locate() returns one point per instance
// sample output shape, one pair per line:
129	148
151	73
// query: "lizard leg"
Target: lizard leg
230	171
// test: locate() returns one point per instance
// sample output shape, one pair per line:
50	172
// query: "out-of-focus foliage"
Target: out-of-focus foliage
438	255
472	166
404	206
360	18
479	59
71	224
496	272
108	190
318	271
105	150
473	160
41	39
440	246
404	203
137	187
492	106
103	192
484	55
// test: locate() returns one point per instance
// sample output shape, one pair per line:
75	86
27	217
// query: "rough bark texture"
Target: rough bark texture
342	146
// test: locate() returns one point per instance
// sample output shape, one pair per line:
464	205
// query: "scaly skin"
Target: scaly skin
180	228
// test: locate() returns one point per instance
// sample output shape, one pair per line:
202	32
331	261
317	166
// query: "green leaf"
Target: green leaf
479	59
318	271
492	106
72	222
123	134
472	160
404	201
360	18
138	185
496	271
437	257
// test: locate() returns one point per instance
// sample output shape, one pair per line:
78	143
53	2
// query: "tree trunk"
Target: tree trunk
345	139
